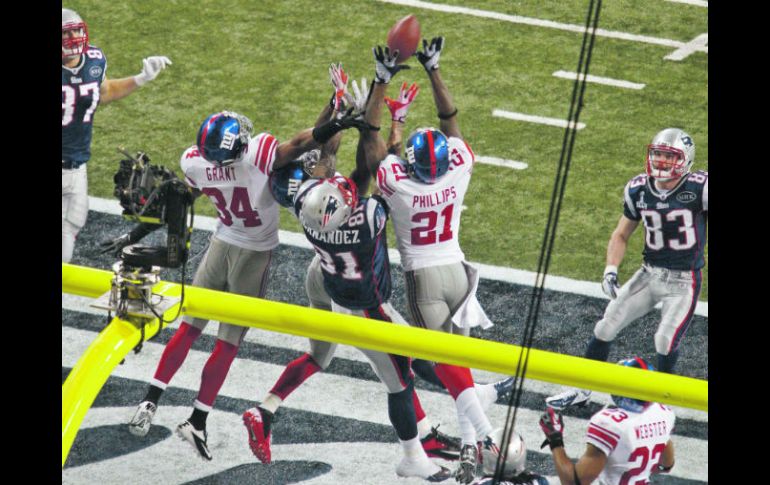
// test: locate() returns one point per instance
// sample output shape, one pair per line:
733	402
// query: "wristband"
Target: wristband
556	441
326	131
446	117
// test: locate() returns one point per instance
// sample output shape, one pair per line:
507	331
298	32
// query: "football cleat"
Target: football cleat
140	423
568	398
439	445
466	472
424	469
255	420
197	438
504	388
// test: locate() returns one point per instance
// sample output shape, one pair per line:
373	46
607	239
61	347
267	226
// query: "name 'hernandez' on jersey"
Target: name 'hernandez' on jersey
426	218
80	90
354	258
248	213
675	222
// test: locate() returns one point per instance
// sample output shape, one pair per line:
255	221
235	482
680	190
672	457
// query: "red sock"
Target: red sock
176	351
294	375
419	414
456	379
215	371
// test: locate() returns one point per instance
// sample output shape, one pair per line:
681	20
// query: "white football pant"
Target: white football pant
74	208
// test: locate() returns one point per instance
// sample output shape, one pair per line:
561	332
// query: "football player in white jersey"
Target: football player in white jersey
625	443
232	168
84	87
424	194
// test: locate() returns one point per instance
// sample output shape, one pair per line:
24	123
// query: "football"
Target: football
404	37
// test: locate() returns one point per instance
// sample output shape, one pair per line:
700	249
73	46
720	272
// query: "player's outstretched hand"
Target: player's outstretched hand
114	245
399	107
385	66
552	425
610	284
339	79
359	97
151	67
430	53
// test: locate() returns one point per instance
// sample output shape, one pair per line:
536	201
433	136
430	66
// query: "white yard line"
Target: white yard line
698	44
697	3
497	273
501	162
511	115
517	19
599	80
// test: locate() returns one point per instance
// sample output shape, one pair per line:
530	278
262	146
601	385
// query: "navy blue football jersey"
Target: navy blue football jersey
674	222
79	98
354	258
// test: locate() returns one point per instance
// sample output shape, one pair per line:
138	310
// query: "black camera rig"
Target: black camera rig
153	196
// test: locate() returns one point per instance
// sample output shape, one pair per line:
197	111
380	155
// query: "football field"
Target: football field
510	68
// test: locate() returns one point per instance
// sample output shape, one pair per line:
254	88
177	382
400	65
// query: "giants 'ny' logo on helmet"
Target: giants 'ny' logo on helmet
223	137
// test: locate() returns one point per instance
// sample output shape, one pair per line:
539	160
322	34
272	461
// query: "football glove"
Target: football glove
114	245
385	66
359	97
610	284
151	68
552	425
399	107
350	119
339	79
430	53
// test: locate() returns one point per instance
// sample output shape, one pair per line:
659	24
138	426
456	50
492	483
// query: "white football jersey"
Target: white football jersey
633	442
426	217
248	213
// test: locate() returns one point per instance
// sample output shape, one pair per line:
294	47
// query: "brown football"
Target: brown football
404	36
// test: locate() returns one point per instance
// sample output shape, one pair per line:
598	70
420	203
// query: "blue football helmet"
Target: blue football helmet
285	181
628	403
427	155
223	137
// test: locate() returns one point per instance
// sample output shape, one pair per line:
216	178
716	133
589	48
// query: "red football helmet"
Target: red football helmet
74	34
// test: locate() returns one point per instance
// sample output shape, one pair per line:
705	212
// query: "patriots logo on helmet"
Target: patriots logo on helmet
331	207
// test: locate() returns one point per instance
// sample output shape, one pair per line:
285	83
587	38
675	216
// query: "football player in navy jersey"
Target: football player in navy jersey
84	86
672	204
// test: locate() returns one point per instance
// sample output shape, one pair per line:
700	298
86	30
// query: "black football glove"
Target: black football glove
430	53
114	245
351	119
385	66
552	425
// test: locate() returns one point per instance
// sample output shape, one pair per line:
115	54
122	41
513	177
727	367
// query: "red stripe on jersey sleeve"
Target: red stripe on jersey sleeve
597	434
272	148
382	183
473	156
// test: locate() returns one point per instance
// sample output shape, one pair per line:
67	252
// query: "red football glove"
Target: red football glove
339	79
552	425
399	107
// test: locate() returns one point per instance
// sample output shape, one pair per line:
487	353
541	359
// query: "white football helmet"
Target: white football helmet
74	34
515	460
670	155
329	204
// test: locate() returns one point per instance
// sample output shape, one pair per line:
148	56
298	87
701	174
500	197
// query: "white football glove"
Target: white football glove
339	79
430	53
610	284
359	96
385	66
151	67
399	107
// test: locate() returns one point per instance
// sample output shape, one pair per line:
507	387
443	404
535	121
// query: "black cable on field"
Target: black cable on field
560	183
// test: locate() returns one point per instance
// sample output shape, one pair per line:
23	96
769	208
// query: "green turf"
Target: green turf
269	60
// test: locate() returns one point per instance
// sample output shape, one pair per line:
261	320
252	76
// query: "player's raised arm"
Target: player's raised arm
399	108
114	89
447	112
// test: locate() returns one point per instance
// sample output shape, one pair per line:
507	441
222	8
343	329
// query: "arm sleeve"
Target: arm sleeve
628	204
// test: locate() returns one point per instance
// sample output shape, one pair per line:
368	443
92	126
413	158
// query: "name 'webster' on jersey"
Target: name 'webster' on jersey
248	213
354	258
675	221
427	223
633	442
80	90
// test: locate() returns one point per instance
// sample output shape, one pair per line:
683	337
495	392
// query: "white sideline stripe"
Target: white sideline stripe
497	273
536	119
335	395
698	44
300	344
516	19
697	3
599	80
501	162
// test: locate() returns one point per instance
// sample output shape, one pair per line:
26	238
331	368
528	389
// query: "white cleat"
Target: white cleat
140	423
569	398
